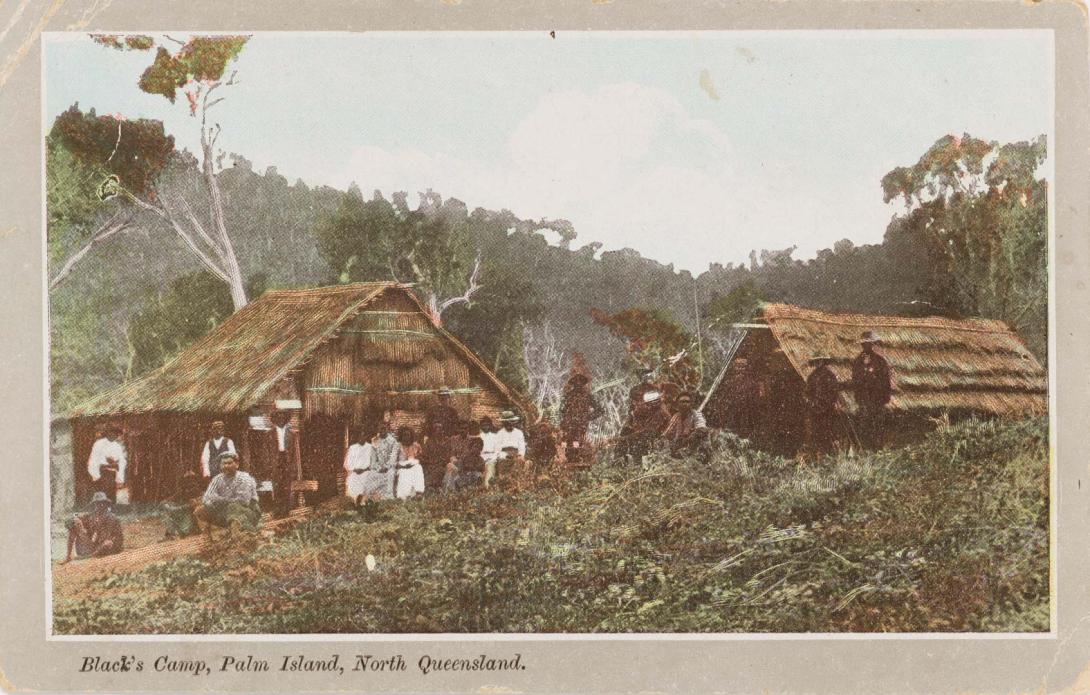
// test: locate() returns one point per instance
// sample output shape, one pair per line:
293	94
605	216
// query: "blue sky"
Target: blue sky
690	147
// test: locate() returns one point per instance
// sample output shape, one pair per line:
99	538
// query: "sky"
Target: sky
690	147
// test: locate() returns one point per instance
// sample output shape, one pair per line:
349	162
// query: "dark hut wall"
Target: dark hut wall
160	448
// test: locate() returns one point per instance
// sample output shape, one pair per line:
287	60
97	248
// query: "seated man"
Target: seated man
94	534
177	512
230	500
644	426
687	432
468	469
510	445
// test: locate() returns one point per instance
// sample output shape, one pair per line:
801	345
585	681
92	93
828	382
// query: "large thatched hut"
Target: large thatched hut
940	366
333	356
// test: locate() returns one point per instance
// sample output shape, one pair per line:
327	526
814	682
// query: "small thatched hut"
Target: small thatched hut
335	356
939	365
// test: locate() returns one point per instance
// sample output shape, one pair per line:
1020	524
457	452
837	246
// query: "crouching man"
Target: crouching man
230	501
687	431
177	510
96	533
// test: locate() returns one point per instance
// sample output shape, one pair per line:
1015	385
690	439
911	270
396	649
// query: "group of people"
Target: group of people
871	386
215	493
661	412
453	454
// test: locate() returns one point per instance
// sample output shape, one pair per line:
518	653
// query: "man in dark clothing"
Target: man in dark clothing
644	426
435	455
285	462
95	534
687	431
822	393
177	510
442	412
577	410
542	443
469	467
872	386
219	443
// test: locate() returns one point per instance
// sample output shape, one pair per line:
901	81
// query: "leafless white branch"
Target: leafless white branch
467	296
117	223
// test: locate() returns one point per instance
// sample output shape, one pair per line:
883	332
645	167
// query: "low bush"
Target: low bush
949	534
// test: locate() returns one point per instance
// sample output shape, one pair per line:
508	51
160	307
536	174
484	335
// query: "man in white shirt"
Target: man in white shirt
107	463
230	500
489	451
510	443
215	447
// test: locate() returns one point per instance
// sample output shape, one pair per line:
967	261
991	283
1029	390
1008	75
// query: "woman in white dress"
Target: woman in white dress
359	463
410	474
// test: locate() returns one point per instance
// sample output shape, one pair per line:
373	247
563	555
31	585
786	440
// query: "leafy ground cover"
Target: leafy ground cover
950	534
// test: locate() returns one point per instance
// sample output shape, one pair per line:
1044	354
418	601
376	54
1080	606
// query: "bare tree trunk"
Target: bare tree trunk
118	223
230	261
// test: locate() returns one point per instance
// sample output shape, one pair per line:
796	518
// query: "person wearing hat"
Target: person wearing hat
96	533
872	387
822	394
644	426
442	412
687	431
645	384
219	443
230	500
510	443
577	409
107	462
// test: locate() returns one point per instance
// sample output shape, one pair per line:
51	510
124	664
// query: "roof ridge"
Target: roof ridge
797	313
328	289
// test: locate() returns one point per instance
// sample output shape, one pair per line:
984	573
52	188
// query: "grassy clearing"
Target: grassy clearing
950	534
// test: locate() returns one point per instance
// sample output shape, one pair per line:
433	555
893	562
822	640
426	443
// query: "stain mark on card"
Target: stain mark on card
707	85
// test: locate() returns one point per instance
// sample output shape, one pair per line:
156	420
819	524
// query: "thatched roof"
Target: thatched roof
938	363
234	366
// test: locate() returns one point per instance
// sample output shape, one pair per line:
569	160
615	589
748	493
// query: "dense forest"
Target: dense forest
130	287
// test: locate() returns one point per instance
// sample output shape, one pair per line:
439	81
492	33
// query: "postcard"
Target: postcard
614	348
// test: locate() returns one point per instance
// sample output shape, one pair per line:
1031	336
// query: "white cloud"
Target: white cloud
613	161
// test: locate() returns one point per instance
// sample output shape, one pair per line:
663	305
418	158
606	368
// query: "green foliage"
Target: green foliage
71	203
737	306
135	151
977	225
201	59
655	341
177	316
950	534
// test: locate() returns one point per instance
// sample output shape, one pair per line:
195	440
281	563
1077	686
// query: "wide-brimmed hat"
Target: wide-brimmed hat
99	498
228	455
508	416
444	391
820	359
652	397
869	337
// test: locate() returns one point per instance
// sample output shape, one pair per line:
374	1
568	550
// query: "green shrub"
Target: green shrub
949	534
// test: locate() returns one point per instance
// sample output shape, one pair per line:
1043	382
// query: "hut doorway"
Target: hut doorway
322	446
